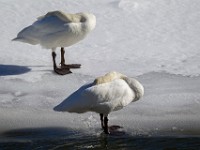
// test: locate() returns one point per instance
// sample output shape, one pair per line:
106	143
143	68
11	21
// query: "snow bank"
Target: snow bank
129	35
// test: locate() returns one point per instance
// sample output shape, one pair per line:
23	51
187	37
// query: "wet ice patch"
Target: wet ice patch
90	121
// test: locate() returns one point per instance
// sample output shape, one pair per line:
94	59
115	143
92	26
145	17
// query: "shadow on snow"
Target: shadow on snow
6	70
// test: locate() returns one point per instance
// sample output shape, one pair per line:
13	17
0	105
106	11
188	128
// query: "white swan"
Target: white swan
58	29
106	94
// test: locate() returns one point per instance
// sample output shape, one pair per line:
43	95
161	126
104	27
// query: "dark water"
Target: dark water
63	139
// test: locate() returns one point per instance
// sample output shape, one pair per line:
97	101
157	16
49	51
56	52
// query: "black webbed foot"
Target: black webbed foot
62	71
71	66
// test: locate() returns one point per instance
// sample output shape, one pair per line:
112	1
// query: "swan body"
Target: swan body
108	93
58	29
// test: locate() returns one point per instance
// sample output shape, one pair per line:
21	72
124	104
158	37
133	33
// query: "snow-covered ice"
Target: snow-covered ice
170	102
155	41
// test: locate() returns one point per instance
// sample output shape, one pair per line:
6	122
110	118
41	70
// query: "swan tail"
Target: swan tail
25	40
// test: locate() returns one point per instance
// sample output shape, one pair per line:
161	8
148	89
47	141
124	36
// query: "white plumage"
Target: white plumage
108	93
58	29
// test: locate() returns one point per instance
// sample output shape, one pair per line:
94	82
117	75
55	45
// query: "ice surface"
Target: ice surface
171	105
134	37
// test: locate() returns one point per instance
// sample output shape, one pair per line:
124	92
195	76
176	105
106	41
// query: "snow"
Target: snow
155	41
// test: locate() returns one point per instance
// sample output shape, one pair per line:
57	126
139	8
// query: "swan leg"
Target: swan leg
106	125
60	71
63	65
102	122
62	57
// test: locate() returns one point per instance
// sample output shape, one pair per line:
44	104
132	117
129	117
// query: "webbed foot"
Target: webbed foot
71	66
62	71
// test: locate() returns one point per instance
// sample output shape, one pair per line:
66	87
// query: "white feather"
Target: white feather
105	97
58	29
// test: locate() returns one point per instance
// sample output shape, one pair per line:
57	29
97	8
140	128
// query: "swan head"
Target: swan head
108	77
88	20
135	85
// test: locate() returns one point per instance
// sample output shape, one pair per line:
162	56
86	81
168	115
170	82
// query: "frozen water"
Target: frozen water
170	105
135	37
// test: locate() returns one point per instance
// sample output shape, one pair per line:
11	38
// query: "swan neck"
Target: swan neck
89	23
136	86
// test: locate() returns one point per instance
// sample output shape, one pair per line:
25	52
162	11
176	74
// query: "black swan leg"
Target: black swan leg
102	122
106	125
63	65
60	71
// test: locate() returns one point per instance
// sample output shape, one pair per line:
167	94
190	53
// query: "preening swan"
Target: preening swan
58	29
108	93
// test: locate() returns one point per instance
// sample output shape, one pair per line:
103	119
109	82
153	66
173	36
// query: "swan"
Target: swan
58	29
105	94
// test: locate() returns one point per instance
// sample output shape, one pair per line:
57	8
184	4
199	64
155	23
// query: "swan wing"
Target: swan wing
66	17
51	23
108	96
101	98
